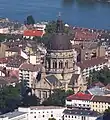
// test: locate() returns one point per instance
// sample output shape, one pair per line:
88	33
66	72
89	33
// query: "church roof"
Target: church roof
73	79
59	41
52	79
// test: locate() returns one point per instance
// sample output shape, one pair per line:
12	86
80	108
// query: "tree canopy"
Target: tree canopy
30	20
57	98
103	76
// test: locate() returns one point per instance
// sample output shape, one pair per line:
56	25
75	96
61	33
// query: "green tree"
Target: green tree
9	97
30	20
57	98
106	115
30	100
103	76
51	119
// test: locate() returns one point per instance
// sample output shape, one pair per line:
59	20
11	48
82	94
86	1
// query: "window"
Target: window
51	115
60	65
66	64
34	116
54	64
43	116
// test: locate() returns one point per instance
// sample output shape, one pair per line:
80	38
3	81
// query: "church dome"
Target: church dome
59	41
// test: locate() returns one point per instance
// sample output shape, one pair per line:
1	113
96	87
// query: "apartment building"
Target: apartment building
78	114
87	101
87	66
28	72
100	103
43	112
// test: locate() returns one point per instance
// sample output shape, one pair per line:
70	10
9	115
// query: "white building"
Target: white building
78	114
43	112
14	116
28	72
79	100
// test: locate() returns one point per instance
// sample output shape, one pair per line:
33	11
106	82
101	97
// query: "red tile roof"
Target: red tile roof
37	33
84	34
80	96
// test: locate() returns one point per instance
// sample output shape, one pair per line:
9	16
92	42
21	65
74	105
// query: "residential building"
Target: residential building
89	50
12	51
100	103
79	100
84	35
87	66
14	116
88	101
28	72
6	81
43	112
78	114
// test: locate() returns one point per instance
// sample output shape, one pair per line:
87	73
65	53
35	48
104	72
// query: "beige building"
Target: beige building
100	103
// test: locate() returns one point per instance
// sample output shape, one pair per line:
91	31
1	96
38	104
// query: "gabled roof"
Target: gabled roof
37	33
80	96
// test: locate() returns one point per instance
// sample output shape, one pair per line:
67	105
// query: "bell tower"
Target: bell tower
59	26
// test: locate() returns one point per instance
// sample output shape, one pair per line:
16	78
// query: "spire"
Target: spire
59	28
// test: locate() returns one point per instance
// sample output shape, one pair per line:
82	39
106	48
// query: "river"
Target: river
75	12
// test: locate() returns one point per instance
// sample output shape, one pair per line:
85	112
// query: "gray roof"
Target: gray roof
53	80
96	91
12	114
74	78
80	112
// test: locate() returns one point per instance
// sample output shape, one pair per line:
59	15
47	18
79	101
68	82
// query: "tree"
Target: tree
51	119
30	20
30	100
106	115
103	76
9	98
57	98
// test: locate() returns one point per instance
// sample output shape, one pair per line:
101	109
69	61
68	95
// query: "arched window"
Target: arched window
60	65
66	64
54	64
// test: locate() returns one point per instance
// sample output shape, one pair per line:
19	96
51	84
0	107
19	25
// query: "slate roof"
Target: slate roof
12	114
74	78
59	41
80	112
96	91
53	80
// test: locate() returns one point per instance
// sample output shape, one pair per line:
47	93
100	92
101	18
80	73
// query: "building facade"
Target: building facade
43	112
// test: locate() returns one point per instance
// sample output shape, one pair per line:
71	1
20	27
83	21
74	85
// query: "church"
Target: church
59	64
